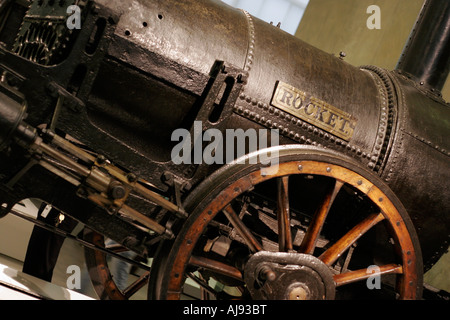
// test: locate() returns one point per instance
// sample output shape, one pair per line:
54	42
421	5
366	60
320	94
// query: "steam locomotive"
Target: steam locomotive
353	186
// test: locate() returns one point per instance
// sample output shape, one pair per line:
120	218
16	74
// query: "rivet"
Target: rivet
300	167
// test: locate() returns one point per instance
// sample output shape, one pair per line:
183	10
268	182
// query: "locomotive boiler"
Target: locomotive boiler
348	181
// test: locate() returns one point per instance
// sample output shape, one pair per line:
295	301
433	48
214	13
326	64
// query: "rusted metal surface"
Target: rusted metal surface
297	277
87	117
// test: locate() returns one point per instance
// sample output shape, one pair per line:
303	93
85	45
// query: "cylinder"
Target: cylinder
425	56
11	115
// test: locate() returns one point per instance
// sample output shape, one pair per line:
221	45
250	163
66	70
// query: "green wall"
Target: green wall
341	25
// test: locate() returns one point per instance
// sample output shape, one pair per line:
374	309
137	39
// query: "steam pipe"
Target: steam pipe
425	56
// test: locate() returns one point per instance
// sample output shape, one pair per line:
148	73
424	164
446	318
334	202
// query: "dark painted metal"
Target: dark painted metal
138	70
425	56
11	115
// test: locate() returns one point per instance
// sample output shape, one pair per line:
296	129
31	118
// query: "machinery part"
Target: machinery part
291	276
100	274
99	180
11	116
355	207
44	37
125	81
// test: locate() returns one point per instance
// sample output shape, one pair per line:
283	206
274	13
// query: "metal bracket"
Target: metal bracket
179	185
225	85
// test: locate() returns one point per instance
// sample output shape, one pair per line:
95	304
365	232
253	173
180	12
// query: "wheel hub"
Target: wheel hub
288	276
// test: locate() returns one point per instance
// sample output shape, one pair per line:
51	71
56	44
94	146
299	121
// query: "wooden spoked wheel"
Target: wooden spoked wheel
100	273
313	226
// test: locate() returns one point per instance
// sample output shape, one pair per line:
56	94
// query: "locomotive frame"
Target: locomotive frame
78	107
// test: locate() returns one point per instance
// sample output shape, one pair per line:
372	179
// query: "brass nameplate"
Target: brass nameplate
314	111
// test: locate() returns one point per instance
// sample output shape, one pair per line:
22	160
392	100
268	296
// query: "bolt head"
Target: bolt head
299	293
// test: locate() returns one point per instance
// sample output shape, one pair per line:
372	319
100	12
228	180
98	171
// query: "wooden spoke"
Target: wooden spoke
337	249
136	285
244	232
313	232
283	214
99	271
216	266
269	274
362	274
